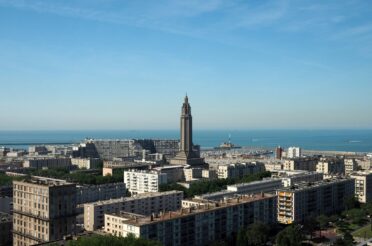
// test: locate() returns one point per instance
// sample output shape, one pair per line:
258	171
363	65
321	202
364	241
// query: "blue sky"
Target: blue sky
110	64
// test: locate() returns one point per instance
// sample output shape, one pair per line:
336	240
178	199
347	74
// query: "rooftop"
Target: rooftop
139	196
37	180
307	185
138	220
269	180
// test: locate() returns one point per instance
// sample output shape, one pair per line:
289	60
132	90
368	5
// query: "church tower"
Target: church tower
187	155
186	128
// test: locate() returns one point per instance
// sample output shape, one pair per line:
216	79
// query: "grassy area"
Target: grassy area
364	232
7	180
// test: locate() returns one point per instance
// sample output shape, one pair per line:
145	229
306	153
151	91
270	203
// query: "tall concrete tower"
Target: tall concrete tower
186	155
186	128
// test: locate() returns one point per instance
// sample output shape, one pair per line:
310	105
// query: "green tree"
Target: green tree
257	234
112	241
351	202
291	236
310	226
356	215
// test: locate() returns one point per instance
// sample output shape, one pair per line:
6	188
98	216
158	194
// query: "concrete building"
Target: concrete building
6	223
47	162
92	193
108	149
37	150
144	204
174	173
294	152
289	180
279	153
239	170
86	163
302	163
196	226
142	181
350	166
266	186
298	202
364	163
273	166
363	185
43	210
331	166
188	153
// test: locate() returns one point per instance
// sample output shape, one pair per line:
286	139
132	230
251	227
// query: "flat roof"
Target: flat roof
139	196
138	220
308	185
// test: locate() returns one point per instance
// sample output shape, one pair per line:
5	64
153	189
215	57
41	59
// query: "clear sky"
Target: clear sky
115	64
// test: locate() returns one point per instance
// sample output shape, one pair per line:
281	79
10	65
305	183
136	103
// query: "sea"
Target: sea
332	140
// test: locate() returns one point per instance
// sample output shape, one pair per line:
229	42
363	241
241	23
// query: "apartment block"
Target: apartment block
86	163
196	226
291	179
239	170
47	162
174	173
302	163
92	193
298	202
266	185
331	166
43	210
142	181
363	185
350	166
294	152
144	204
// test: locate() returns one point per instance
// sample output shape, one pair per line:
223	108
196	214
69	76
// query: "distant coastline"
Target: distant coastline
326	140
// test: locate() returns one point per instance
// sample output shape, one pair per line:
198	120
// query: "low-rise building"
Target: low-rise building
86	163
196	226
142	181
144	204
363	185
297	202
331	166
239	170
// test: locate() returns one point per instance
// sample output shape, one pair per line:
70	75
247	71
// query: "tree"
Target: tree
291	236
112	241
322	221
351	202
346	240
356	215
257	234
310	225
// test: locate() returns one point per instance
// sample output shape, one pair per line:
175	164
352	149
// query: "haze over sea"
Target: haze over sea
336	140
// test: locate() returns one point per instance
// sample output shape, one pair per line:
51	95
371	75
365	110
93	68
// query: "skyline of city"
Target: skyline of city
114	65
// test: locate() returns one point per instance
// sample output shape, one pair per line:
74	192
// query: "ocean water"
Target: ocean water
336	140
